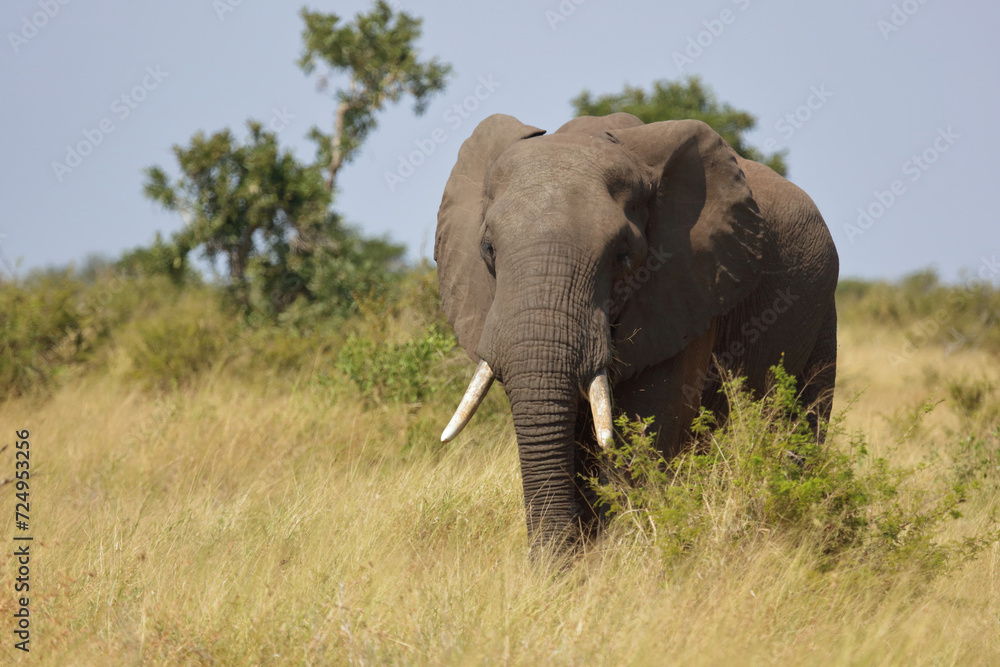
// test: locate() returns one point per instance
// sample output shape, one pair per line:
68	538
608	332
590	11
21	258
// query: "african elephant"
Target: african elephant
615	258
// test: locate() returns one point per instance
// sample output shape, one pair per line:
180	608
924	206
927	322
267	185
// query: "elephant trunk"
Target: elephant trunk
544	407
546	338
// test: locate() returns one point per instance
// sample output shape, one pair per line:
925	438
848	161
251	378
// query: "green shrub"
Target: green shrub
54	320
971	398
764	473
40	329
174	342
160	258
162	328
259	351
976	460
395	372
962	315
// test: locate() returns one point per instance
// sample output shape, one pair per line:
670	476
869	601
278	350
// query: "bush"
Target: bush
58	319
176	341
763	473
161	330
40	329
161	258
395	372
927	310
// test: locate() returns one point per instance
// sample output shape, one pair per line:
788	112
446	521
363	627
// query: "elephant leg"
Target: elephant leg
820	375
670	392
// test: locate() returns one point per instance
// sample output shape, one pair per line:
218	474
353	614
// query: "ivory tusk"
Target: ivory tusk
474	395
600	405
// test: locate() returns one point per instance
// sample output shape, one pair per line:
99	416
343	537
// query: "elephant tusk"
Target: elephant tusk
474	395
600	404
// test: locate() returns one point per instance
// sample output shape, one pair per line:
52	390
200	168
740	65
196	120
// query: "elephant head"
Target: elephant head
594	252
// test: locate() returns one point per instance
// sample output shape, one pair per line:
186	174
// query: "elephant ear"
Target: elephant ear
704	235
463	279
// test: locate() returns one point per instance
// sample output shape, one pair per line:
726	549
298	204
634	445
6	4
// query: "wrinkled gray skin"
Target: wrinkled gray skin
641	249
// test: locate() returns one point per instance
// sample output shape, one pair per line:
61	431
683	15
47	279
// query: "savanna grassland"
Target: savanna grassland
205	492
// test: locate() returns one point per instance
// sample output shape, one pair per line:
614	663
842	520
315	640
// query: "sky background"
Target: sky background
928	70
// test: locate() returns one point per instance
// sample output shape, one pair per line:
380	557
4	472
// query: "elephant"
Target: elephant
616	267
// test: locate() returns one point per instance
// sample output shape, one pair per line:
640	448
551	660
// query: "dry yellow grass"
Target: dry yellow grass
281	523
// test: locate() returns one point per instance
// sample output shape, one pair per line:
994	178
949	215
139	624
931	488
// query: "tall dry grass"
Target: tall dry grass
284	521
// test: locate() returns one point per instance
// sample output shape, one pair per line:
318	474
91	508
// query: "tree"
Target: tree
676	100
377	53
266	214
167	258
252	203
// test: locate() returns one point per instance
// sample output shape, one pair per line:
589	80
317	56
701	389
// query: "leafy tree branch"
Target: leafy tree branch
376	51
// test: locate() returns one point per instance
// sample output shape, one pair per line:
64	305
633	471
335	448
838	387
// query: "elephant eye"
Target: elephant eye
489	253
624	259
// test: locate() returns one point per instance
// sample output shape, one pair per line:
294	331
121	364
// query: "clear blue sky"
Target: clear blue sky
923	82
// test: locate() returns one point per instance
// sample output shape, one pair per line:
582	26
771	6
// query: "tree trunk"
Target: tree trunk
336	153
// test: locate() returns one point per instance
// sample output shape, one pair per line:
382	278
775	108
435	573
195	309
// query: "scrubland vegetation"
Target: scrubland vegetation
248	470
212	490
